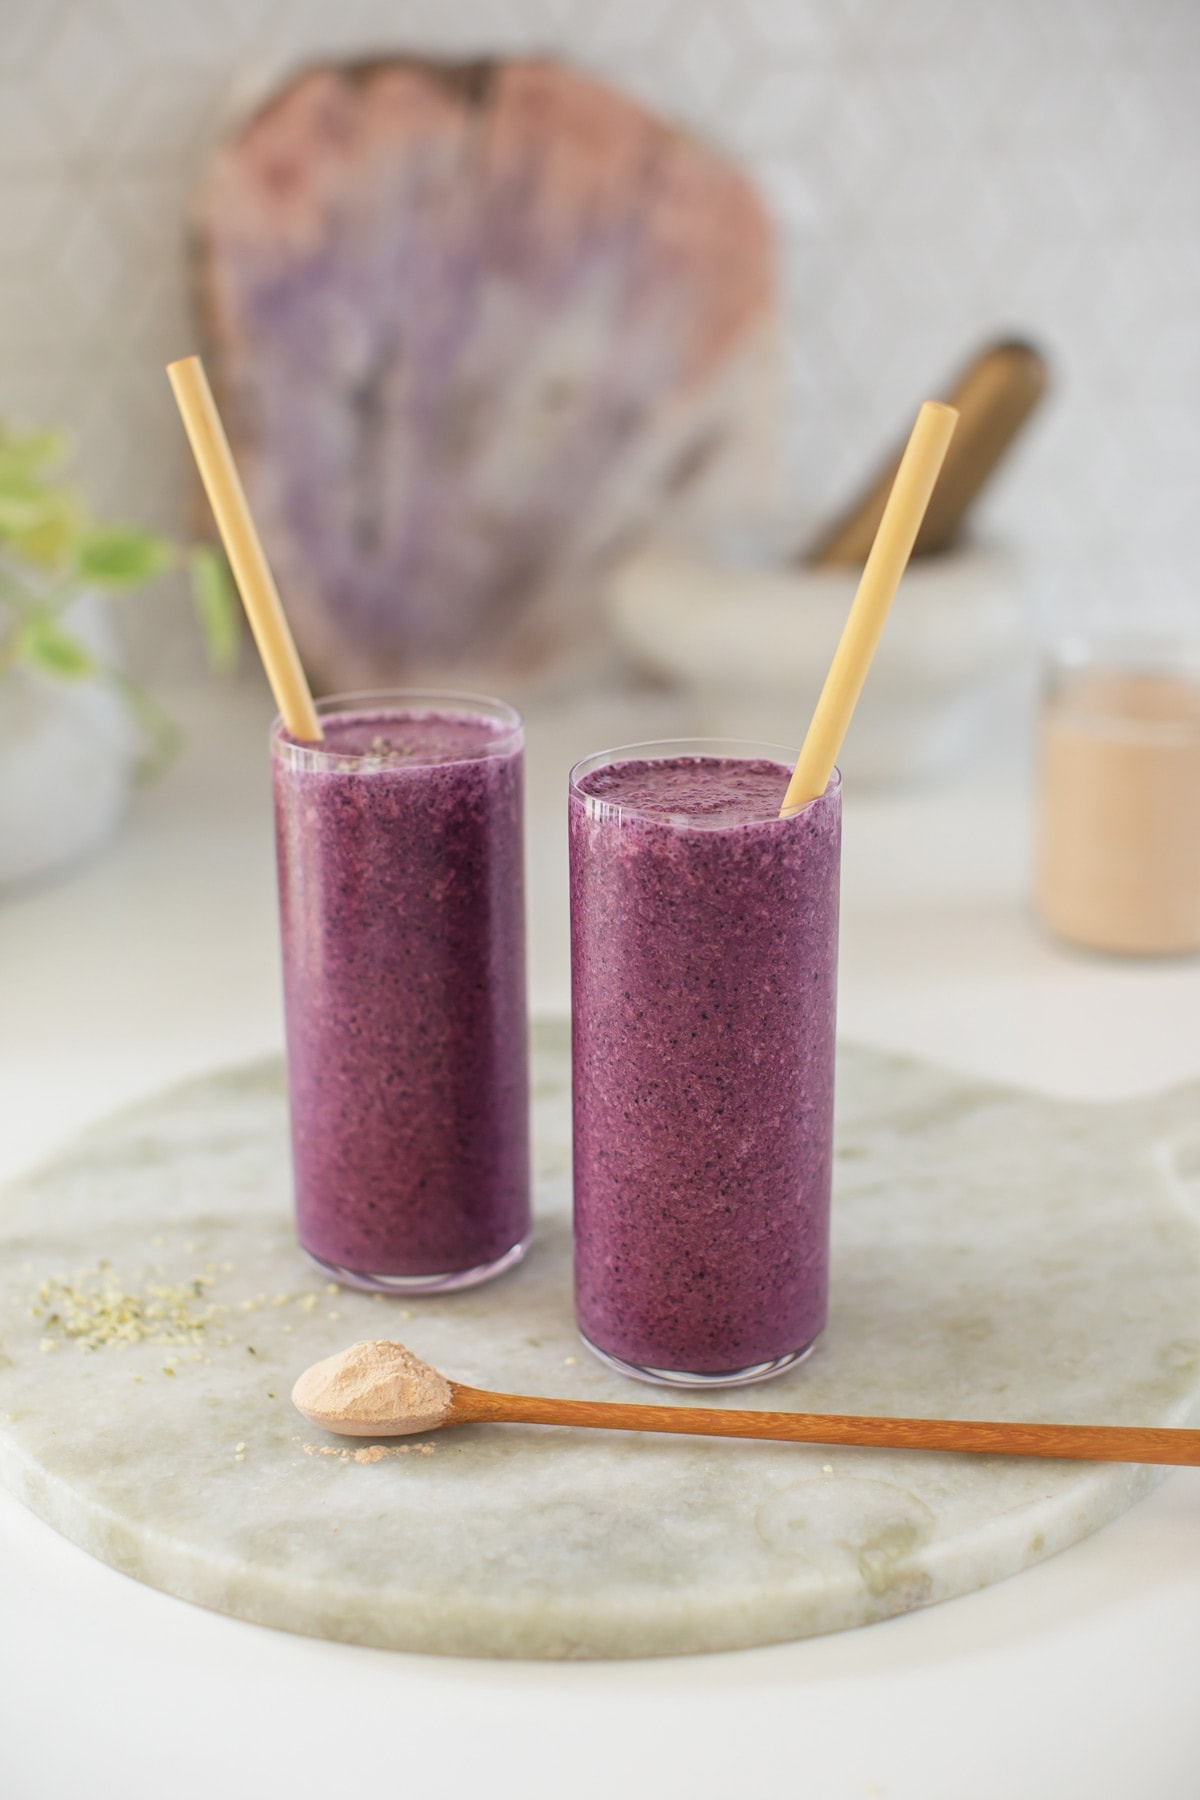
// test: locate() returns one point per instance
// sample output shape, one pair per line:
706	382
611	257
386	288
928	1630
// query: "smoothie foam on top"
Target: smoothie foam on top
692	790
387	739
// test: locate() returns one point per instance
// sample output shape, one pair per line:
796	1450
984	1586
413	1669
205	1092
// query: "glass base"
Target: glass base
684	1378
420	1284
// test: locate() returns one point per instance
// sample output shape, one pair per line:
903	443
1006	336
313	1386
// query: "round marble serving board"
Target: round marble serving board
996	1255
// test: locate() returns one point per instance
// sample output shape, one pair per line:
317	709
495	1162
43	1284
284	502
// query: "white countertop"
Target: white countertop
159	960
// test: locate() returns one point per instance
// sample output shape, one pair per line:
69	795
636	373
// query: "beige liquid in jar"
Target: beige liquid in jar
1119	851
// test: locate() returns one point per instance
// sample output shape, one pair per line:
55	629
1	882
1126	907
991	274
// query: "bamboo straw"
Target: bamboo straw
914	483
256	584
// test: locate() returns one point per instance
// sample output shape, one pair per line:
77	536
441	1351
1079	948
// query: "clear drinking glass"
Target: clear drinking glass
399	842
1118	864
704	966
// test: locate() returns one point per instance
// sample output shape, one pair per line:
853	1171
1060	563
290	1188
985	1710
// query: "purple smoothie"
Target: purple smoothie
402	912
704	966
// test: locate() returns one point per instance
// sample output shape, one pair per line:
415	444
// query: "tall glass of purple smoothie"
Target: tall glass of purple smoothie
703	980
399	841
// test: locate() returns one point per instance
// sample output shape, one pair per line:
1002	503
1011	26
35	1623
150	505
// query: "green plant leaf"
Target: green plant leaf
49	648
25	503
30	452
216	606
36	523
120	556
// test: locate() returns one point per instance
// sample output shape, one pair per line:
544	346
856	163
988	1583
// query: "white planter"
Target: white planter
67	756
751	646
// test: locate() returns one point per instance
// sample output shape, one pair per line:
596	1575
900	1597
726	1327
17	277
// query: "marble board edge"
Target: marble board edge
898	1582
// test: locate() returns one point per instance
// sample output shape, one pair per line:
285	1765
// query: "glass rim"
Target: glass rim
661	750
1117	655
1123	652
452	700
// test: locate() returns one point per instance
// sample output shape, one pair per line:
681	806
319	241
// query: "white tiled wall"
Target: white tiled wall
938	169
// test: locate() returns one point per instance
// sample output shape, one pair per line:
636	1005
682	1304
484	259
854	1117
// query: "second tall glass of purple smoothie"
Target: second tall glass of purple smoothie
704	966
399	841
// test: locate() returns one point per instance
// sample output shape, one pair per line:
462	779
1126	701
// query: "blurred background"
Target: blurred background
934	173
727	248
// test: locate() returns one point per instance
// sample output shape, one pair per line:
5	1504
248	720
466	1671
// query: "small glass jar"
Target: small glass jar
1118	861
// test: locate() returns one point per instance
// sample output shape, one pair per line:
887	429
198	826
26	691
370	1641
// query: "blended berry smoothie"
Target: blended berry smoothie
402	910
704	970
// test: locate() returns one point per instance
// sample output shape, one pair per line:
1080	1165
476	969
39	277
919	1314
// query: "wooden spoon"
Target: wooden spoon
379	1389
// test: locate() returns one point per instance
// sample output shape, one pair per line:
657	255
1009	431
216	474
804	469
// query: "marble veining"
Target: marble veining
995	1254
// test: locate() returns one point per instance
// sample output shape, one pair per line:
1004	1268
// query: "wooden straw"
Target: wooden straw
885	565
260	597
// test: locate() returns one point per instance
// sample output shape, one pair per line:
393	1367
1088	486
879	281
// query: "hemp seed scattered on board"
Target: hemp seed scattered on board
97	1308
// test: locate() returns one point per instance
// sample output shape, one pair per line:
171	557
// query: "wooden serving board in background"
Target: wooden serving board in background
995	1255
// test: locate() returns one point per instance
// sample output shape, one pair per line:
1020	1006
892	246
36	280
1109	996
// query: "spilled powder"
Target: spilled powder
371	1453
373	1389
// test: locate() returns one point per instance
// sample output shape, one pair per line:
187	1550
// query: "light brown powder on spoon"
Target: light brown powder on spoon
374	1389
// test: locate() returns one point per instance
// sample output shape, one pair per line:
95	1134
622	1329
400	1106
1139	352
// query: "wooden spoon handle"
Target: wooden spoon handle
1087	1443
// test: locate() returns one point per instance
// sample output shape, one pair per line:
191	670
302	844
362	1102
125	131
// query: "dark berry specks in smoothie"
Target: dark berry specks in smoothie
387	740
402	910
704	791
704	962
